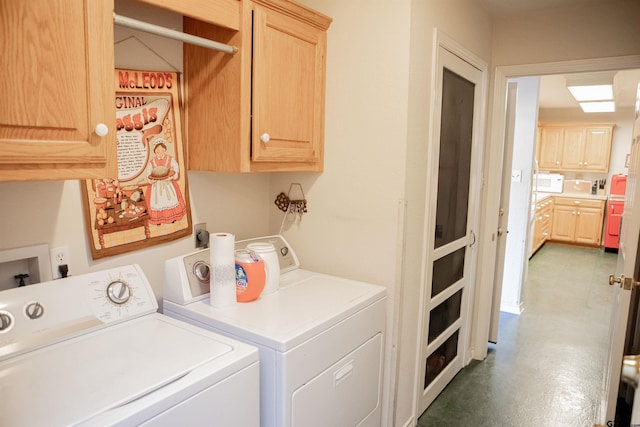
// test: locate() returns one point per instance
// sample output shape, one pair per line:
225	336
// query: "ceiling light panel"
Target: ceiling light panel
592	93
598	107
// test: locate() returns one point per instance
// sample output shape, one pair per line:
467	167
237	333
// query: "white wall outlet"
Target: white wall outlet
59	257
516	175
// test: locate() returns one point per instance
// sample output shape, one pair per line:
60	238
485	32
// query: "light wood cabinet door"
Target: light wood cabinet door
57	86
550	150
288	89
597	149
588	229
573	148
578	221
563	223
261	109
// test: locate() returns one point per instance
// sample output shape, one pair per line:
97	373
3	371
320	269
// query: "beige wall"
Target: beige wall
351	228
587	30
378	91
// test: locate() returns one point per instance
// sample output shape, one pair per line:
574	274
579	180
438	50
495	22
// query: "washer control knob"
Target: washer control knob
34	310
6	321
202	271
118	292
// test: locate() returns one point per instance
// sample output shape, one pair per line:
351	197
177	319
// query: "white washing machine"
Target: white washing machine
91	350
320	338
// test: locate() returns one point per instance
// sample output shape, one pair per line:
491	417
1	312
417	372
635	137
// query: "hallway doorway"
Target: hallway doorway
547	366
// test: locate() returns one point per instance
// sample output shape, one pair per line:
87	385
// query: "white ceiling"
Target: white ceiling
553	91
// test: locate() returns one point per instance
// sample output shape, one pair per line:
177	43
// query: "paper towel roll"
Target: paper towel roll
223	270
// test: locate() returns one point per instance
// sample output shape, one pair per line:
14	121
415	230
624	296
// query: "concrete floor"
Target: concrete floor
547	367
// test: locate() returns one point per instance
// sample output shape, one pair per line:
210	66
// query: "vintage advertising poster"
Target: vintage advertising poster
147	203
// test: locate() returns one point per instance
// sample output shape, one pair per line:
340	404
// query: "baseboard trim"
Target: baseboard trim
513	309
410	423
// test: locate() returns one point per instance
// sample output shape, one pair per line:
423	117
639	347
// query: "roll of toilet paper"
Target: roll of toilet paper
222	270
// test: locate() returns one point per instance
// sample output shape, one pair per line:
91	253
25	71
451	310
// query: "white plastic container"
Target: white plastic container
271	264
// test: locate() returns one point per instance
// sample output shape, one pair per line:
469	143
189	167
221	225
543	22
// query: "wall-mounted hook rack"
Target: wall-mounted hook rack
292	204
286	202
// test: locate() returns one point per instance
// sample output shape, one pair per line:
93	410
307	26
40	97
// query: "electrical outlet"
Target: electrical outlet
200	236
59	256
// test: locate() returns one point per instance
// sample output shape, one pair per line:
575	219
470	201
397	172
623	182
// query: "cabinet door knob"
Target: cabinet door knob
265	137
101	129
557	162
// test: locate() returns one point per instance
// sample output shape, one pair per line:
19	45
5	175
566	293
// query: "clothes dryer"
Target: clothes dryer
320	338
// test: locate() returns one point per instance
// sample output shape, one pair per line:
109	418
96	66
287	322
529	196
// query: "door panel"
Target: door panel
551	148
447	271
573	148
450	258
623	313
597	149
455	160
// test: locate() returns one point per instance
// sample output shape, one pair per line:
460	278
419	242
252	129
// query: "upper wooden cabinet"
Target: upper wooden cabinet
262	109
57	86
575	147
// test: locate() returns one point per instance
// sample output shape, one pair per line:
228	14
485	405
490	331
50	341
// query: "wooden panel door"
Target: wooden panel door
288	89
57	85
597	149
563	223
550	150
573	148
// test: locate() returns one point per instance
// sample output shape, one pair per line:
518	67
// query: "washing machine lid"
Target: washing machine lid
75	380
306	304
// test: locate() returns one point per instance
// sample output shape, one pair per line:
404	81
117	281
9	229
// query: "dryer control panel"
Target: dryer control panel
187	276
44	313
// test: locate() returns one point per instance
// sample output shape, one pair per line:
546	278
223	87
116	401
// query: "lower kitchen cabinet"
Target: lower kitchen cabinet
578	221
542	223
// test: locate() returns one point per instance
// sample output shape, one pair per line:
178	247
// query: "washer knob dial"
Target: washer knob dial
118	292
202	271
6	321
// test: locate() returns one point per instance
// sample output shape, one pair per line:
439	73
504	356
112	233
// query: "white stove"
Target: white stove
91	350
320	338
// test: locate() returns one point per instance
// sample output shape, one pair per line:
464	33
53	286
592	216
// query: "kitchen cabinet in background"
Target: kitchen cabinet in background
578	221
542	223
57	87
578	148
262	109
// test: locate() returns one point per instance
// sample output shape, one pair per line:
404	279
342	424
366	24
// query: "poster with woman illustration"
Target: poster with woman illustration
147	203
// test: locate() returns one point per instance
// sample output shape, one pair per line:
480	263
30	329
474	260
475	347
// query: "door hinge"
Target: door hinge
625	283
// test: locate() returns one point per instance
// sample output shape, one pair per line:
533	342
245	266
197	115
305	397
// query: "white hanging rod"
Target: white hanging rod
173	34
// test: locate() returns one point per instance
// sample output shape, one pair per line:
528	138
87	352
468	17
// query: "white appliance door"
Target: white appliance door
627	265
78	379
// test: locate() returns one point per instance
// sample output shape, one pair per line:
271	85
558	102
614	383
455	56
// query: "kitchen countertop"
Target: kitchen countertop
542	196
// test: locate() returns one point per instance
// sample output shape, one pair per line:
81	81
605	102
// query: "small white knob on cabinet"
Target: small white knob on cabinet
265	137
101	129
